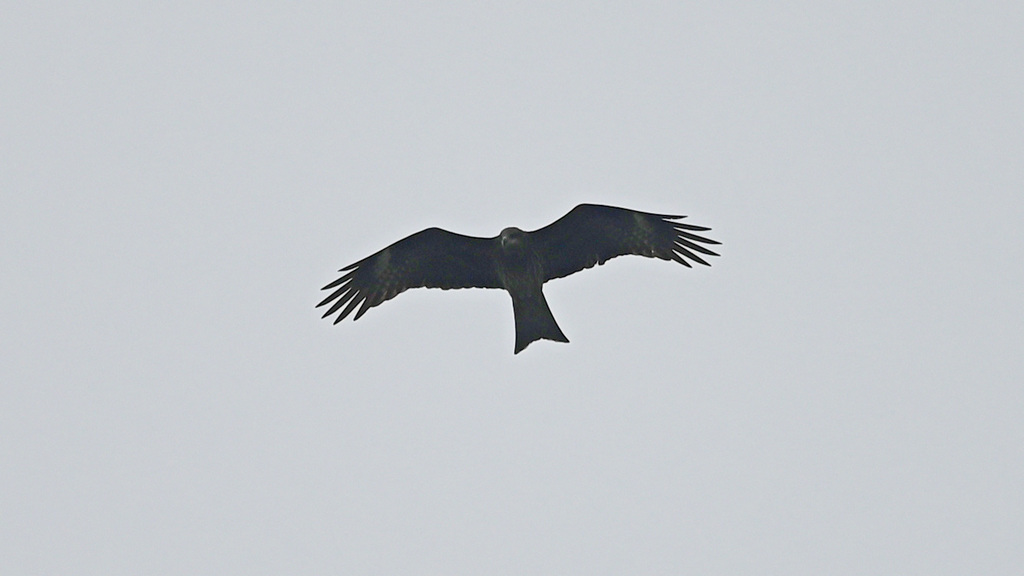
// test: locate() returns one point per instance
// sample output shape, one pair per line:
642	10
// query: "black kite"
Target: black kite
517	261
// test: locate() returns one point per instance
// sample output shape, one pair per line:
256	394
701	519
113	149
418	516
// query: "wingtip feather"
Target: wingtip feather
336	283
691	255
690	227
693	246
681	260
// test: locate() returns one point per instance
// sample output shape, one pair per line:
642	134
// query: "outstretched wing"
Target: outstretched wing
432	258
592	234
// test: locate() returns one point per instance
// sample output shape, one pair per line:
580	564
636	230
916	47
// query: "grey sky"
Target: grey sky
840	393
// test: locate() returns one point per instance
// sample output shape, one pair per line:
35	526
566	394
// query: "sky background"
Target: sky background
840	393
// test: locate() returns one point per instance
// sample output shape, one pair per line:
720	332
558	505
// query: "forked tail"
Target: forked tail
534	320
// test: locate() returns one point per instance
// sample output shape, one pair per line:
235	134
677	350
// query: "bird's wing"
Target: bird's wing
592	234
432	258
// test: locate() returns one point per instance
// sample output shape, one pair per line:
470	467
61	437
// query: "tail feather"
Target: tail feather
534	320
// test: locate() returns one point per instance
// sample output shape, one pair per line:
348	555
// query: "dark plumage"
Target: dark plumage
517	261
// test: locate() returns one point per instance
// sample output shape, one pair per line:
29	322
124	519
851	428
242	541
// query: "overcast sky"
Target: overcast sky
840	393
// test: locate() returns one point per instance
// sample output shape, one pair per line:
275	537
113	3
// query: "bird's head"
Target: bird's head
512	238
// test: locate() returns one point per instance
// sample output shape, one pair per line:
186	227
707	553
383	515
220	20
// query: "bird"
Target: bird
515	260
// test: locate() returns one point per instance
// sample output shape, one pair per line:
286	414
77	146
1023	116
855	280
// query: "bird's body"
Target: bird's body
521	271
516	261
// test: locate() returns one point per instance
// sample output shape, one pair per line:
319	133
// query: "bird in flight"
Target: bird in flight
517	261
